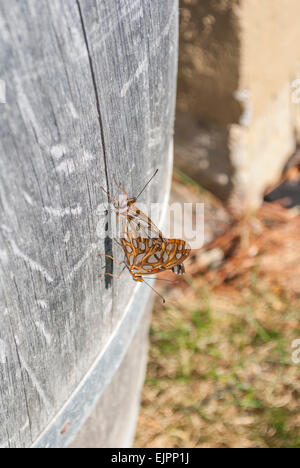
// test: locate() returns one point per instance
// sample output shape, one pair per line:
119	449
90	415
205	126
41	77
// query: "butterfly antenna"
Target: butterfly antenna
163	279
110	196
162	298
147	184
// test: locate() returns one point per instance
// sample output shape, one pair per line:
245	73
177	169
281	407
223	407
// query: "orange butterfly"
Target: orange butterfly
146	250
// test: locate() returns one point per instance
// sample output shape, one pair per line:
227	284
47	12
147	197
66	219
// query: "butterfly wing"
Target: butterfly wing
149	256
175	253
139	224
142	255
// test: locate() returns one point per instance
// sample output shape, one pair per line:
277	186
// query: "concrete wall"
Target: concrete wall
238	119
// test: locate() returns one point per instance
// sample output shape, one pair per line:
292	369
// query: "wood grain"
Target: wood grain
90	92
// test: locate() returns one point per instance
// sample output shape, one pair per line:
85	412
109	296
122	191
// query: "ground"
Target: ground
220	370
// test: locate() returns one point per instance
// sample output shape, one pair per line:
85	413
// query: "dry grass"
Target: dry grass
220	370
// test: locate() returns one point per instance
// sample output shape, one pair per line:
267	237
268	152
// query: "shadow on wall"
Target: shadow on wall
208	77
235	126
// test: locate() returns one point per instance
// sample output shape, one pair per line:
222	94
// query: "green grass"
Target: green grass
185	179
219	367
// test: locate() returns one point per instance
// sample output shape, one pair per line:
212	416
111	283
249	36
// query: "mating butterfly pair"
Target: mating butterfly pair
146	250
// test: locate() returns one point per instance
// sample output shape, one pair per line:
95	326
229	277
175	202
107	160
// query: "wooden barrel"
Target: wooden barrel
89	95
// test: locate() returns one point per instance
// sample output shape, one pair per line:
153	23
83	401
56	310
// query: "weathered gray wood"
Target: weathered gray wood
114	419
90	91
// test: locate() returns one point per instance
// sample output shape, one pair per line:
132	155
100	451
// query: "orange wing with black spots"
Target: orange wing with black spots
149	256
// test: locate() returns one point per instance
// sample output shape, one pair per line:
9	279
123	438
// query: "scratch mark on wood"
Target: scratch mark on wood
67	167
24	427
77	49
3	257
42	304
125	10
14	439
166	29
32	263
67	237
3	352
28	198
36	383
58	151
5	228
140	69
26	109
87	157
4	30
85	257
5	203
73	111
41	327
62	212
128	8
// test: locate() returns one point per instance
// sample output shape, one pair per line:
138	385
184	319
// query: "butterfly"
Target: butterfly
145	248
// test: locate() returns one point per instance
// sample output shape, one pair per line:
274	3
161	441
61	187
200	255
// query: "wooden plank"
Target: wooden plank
89	94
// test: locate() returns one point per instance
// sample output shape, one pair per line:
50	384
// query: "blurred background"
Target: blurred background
224	358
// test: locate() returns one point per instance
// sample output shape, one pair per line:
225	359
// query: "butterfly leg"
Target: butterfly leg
113	276
110	196
111	258
120	188
137	278
126	195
